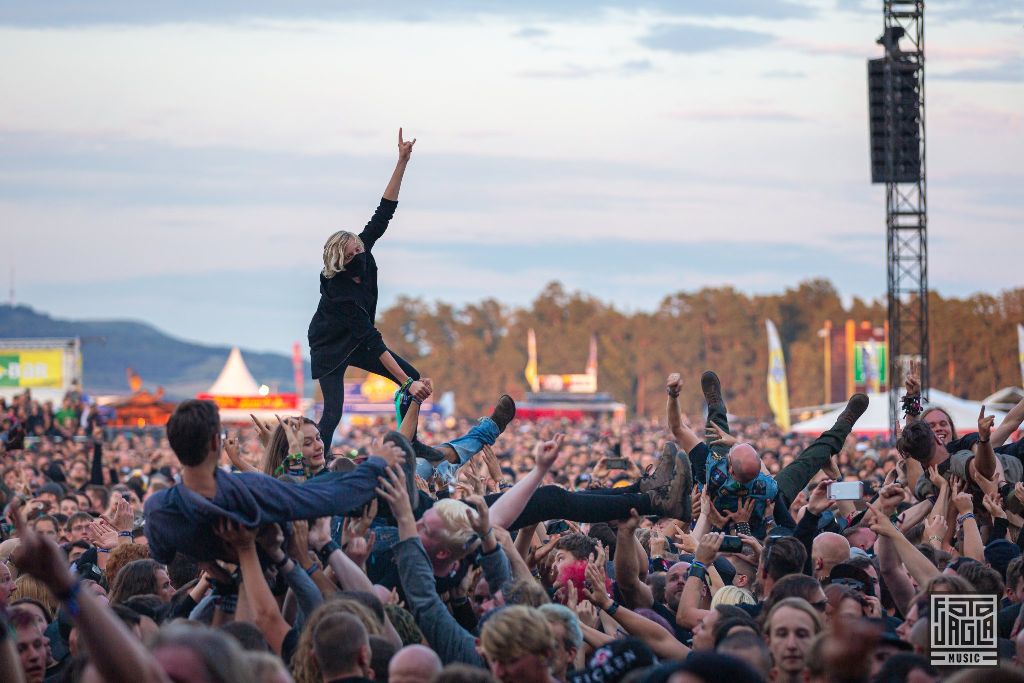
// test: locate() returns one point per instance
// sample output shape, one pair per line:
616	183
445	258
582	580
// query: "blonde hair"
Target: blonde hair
458	533
28	586
514	632
265	666
732	595
305	668
334	252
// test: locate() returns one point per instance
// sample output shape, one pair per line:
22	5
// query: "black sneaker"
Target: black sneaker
504	412
409	466
712	388
854	409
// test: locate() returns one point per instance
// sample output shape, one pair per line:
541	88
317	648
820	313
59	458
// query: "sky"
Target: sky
182	163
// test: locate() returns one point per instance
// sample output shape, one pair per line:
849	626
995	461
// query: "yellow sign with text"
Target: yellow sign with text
30	368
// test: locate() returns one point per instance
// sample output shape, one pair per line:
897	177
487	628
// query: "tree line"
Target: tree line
479	350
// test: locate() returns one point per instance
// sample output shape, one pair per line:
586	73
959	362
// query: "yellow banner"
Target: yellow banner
32	368
778	392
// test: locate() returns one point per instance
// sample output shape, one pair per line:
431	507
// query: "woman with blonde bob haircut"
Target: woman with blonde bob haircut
732	595
342	331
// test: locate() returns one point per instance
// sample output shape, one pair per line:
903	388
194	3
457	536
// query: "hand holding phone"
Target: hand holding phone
845	490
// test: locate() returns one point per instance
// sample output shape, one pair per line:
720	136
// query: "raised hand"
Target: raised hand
320	532
546	452
685	542
479	517
359	549
293	431
102	534
819	502
674	384
985	425
912	382
881	524
404	148
234	534
964	503
707	549
719	437
935	529
937	480
994	505
420	389
264	430
744	510
392	490
491	461
123	518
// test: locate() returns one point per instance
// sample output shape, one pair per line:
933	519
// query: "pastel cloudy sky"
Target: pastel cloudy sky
182	162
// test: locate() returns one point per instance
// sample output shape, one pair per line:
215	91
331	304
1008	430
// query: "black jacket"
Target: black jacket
344	317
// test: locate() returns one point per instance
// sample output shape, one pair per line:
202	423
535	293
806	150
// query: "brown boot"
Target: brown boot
504	412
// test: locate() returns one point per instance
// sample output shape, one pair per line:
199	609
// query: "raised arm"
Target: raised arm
681	433
984	456
511	504
635	593
265	612
1009	425
404	154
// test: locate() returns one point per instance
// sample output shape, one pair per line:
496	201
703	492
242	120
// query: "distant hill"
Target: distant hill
182	368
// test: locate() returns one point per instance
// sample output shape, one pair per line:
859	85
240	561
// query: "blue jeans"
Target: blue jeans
485	432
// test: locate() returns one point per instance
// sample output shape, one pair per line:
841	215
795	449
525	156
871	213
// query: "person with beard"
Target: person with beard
342	332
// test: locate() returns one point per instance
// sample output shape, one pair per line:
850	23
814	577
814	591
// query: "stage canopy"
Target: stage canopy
875	421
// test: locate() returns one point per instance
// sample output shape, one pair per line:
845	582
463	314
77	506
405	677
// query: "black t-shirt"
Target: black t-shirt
683	635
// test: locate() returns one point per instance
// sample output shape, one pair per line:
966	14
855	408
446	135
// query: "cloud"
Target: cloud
97	12
530	32
693	38
628	68
1008	71
784	73
736	114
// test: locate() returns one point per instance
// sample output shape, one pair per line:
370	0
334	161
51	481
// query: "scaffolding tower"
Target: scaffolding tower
897	111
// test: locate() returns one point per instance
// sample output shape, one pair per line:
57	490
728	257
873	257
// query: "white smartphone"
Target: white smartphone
846	490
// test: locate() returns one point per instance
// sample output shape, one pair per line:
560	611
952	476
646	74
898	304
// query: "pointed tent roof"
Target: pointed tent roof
235	378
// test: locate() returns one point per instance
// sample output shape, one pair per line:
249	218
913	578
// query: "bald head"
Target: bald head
827	551
414	664
745	462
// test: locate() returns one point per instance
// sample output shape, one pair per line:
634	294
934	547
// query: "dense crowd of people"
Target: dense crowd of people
420	550
499	549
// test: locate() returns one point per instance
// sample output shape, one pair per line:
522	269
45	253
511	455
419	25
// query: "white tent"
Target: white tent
876	419
234	378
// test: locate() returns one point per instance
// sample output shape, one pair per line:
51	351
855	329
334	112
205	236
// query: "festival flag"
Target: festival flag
531	362
778	394
1020	350
592	358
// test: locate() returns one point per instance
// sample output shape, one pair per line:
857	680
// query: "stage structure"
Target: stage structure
897	124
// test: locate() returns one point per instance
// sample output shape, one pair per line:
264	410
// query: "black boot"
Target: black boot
711	387
854	409
504	412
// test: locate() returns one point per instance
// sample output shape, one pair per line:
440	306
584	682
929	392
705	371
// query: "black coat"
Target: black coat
344	317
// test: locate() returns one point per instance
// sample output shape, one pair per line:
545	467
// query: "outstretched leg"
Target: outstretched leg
797	474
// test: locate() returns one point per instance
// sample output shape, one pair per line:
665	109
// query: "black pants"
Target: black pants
597	505
333	387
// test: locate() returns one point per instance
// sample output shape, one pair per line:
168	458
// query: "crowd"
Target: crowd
498	549
427	551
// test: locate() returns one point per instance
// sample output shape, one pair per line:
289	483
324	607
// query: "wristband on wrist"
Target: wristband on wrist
282	562
698	571
983	440
964	517
612	608
313	568
673	394
103	550
698	563
124	534
912	405
326	551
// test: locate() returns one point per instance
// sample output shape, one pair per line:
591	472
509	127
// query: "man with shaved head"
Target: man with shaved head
414	664
827	551
734	479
